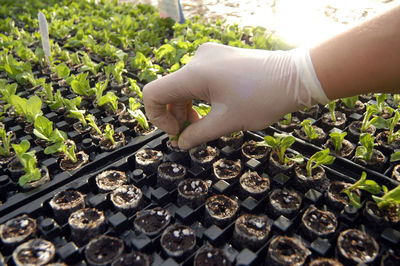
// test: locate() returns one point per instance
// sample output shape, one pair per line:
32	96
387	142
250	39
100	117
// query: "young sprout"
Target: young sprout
317	159
111	99
44	130
62	146
135	88
392	122
202	109
377	121
287	119
6	141
91	121
390	198
366	149
350	102
279	143
28	161
58	101
396	99
381	104
117	71
62	71
363	184
99	88
310	131
47	92
337	140
74	112
136	113
185	125
109	134
80	84
332	107
30	108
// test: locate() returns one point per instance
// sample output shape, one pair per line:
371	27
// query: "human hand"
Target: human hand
248	89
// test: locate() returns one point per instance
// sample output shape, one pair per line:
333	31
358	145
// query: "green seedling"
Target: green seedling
30	108
279	143
366	149
337	139
6	142
80	84
392	122
185	125
110	99
99	89
363	184
390	198
92	122
287	119
118	70
44	130
47	92
62	71
89	65
310	131
376	121
317	159
58	101
7	90
109	134
72	106
332	107
67	149
202	109
350	102
28	161
135	88
381	102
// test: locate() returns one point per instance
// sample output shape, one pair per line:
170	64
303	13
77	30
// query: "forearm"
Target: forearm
363	59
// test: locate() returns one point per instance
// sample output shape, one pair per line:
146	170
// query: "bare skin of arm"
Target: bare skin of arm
361	60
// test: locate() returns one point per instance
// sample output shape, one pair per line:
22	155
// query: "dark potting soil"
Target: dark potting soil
254	182
382	139
253	226
153	220
221	206
320	221
345	151
205	154
340	118
107	143
87	216
67	197
225	168
70	165
179	238
335	190
36	252
19	226
134	258
388	212
285	199
192	187
111	178
172	169
211	256
358	246
127	194
253	150
149	155
288	251
104	249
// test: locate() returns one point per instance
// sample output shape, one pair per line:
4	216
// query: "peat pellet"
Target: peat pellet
152	221
208	255
66	202
148	160
86	224
192	192
220	210
285	251
227	170
252	184
284	202
35	252
325	262
251	150
203	155
67	165
103	250
251	231
178	240
18	230
127	198
133	258
235	140
357	247
334	195
317	180
170	174
318	223
110	180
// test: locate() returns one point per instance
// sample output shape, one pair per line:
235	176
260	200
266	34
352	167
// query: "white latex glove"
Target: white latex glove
248	89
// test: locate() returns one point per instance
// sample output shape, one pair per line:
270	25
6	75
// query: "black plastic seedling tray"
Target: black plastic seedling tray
120	225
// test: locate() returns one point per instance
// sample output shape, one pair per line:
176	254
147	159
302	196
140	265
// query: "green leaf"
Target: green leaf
34	175
394	157
62	71
379	122
57	147
202	109
33	108
43	128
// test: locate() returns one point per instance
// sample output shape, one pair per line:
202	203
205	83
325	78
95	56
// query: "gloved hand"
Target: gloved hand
248	89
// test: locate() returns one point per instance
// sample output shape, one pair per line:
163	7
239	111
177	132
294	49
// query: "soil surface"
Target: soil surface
221	206
153	221
211	256
104	249
298	22
179	238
